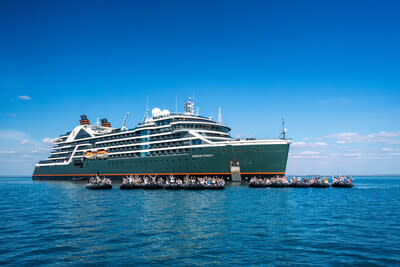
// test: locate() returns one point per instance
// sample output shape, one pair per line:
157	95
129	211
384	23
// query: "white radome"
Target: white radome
156	112
165	112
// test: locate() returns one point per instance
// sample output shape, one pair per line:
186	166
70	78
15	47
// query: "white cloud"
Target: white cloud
25	97
48	140
352	155
392	138
12	135
309	144
349	149
320	144
39	150
24	141
12	115
298	144
7	152
309	157
387	149
310	153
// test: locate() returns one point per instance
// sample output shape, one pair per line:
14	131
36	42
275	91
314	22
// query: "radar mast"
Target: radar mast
189	107
284	130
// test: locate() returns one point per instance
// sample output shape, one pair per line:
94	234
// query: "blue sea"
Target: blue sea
62	224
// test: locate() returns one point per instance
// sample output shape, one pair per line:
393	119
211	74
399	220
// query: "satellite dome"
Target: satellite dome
156	112
165	112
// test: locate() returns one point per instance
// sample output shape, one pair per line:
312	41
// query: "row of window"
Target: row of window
153	153
213	135
163	145
201	127
147	162
51	161
136	141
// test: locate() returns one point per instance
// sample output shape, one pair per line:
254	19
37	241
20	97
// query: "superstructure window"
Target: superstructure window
196	142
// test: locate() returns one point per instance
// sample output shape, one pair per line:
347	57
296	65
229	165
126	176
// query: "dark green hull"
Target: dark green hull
254	160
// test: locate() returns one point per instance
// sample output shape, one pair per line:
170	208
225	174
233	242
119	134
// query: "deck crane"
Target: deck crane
123	127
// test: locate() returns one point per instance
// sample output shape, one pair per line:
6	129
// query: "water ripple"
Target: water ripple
62	223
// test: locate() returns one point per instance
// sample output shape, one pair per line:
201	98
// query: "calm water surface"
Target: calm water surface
62	223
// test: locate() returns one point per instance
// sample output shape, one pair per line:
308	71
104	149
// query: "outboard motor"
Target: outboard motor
105	123
84	120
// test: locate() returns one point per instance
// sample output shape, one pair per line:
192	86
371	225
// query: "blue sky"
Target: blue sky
330	68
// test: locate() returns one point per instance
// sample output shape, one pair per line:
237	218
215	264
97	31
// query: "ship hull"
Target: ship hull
261	160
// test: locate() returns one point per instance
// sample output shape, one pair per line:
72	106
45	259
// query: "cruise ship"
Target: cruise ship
163	144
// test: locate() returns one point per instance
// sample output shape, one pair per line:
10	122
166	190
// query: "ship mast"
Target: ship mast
220	116
284	130
189	107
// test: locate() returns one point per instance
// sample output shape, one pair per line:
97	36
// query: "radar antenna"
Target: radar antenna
98	122
219	116
189	107
123	127
284	130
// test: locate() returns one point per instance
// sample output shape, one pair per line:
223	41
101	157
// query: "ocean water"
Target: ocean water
62	223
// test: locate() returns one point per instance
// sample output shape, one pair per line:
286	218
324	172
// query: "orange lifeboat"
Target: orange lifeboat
102	153
89	154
